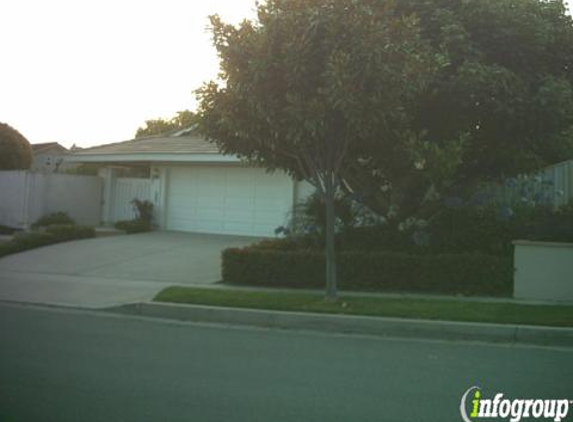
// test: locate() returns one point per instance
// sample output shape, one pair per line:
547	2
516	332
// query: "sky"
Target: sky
90	72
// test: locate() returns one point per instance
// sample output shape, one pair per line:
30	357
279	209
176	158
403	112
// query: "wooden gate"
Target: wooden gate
126	190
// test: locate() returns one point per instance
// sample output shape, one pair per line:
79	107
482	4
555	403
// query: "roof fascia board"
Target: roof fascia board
142	157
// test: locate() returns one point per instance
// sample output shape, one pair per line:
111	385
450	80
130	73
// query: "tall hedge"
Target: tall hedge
15	150
463	274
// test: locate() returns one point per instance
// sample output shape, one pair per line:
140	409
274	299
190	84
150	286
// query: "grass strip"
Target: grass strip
418	308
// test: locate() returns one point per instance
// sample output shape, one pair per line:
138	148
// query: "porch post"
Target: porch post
108	175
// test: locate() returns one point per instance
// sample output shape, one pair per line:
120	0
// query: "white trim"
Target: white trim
152	157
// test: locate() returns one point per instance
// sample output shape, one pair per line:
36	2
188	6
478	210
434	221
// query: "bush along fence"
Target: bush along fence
26	196
468	274
50	234
143	221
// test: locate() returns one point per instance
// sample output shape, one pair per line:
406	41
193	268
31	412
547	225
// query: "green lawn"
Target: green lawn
437	309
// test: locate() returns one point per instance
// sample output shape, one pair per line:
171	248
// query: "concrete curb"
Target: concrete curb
365	325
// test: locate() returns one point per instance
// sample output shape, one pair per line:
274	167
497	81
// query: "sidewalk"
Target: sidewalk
135	298
71	291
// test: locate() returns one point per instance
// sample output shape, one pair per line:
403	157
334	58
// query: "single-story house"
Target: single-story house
192	185
49	158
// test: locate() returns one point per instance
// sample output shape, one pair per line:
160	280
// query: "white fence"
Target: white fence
26	196
552	185
125	191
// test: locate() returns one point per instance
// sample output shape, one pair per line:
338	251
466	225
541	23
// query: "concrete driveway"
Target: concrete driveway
112	270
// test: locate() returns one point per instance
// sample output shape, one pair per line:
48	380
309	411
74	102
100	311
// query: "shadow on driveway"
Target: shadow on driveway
170	257
113	270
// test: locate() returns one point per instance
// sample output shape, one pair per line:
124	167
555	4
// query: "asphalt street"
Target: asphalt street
66	365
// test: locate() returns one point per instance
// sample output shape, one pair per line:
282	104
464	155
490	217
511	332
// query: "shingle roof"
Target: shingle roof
36	148
191	144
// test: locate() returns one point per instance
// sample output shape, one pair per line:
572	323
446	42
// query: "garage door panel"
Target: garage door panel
238	227
266	218
240	216
209	215
181	215
269	204
231	200
183	225
239	203
264	229
205	192
216	202
209	226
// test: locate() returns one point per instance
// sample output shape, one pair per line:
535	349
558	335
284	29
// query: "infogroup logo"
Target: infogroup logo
515	409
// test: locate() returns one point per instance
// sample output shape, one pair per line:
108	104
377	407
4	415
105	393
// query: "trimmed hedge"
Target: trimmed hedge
65	232
134	226
53	234
460	274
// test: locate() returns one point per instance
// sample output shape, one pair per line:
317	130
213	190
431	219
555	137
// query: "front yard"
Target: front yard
500	312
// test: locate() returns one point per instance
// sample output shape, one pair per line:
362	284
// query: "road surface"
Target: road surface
65	365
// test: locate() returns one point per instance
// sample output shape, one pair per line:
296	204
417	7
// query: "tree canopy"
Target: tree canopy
396	103
316	85
161	126
15	150
508	85
506	94
427	97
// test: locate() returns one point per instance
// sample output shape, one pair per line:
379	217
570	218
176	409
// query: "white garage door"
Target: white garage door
228	200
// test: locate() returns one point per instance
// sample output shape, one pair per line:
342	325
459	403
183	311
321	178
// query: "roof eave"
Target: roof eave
152	157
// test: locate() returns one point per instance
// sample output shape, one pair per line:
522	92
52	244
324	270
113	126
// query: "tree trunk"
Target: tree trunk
329	190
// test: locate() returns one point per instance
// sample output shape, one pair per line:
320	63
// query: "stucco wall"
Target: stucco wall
27	196
12	198
543	271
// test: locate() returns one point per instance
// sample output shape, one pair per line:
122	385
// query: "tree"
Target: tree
182	119
15	150
398	104
507	89
315	86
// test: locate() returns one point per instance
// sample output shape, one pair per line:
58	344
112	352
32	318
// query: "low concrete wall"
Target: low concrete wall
543	271
27	196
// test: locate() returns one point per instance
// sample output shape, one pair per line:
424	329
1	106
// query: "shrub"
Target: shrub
144	210
65	232
486	230
142	223
466	274
54	218
309	217
53	234
15	150
133	226
468	229
382	237
7	230
550	226
25	241
491	230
